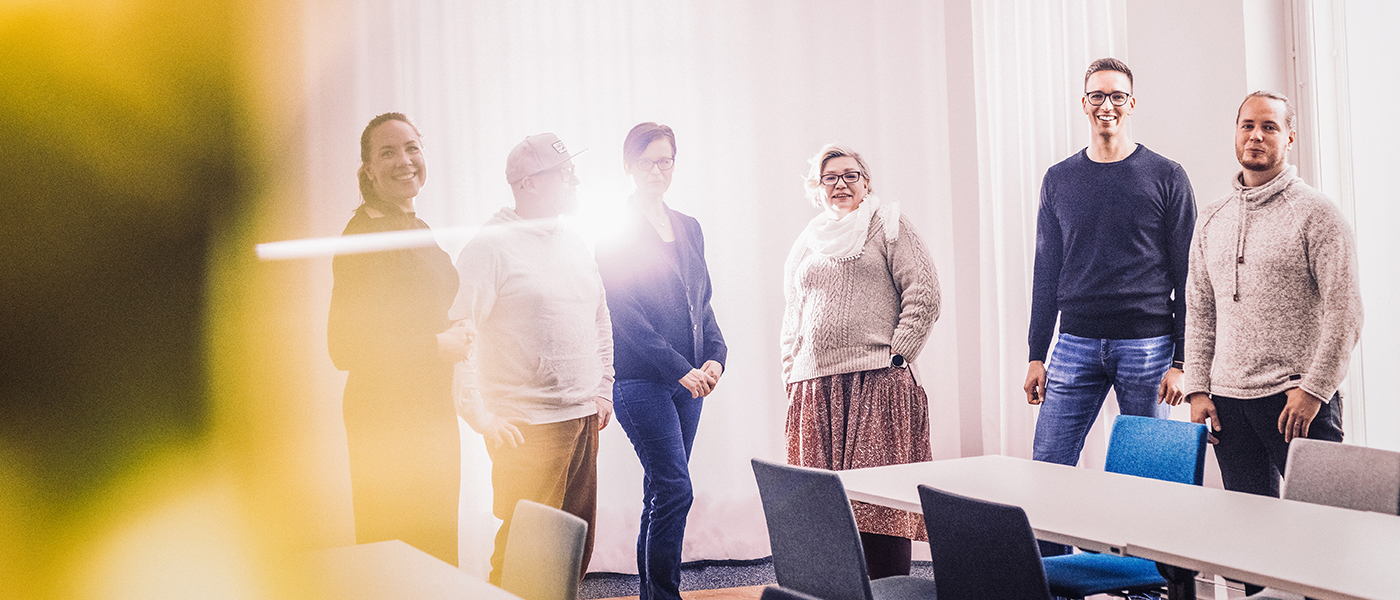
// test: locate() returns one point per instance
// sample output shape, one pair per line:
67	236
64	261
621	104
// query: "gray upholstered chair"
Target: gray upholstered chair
1339	475
544	553
816	546
780	593
1343	475
981	549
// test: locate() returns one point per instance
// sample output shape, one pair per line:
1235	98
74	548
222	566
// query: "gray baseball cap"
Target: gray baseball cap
536	153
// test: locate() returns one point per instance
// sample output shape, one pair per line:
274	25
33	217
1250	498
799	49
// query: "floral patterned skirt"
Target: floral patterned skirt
862	419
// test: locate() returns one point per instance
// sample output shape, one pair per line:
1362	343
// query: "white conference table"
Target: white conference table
392	570
1321	551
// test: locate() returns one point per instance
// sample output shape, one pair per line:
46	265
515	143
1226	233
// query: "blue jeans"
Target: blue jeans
660	418
1077	380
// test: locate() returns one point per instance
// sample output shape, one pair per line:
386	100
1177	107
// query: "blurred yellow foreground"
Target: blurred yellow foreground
149	399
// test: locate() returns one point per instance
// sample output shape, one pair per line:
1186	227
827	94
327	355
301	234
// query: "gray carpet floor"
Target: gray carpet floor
701	575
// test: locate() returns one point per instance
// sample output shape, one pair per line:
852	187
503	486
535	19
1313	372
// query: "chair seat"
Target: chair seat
1086	573
903	586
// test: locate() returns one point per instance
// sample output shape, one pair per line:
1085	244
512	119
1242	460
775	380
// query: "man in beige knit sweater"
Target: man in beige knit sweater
1272	307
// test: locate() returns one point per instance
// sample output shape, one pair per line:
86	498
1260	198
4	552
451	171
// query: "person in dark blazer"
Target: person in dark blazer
668	350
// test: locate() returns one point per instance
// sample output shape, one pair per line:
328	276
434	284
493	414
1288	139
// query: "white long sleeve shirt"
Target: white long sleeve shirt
543	349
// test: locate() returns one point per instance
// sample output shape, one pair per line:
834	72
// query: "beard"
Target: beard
1259	162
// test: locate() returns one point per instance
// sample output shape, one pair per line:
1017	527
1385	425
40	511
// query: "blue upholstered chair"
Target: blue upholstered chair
1145	447
816	546
981	549
1157	449
1339	475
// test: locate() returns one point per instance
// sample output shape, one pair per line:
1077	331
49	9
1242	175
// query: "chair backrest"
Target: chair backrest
544	553
816	546
778	593
981	549
1157	449
1343	475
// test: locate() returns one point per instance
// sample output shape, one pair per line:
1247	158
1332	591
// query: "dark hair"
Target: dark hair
642	136
371	197
1289	114
1109	64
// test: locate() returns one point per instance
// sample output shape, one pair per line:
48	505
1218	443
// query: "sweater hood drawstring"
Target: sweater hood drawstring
1257	196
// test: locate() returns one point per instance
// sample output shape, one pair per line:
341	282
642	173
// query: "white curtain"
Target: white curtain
1029	63
752	90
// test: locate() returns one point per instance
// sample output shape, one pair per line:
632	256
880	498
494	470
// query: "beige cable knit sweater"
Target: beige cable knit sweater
1272	301
849	315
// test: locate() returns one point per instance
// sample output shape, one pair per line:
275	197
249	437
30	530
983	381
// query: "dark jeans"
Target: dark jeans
661	419
1251	452
556	466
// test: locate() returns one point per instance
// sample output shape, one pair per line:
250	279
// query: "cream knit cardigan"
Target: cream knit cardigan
1272	300
852	314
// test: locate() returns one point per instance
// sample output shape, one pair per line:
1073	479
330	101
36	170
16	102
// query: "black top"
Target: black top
387	307
1111	245
659	297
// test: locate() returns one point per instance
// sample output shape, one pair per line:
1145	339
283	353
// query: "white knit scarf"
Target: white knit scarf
843	238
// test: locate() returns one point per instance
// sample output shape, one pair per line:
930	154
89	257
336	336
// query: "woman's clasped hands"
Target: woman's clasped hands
702	381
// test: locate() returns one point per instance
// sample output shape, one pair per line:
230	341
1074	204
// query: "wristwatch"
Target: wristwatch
898	361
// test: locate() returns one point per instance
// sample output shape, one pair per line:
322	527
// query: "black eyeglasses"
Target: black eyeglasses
850	177
1117	98
664	164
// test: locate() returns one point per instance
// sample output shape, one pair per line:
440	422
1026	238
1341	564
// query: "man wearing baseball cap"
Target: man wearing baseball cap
538	386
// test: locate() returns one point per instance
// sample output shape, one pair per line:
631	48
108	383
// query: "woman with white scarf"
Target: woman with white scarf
862	294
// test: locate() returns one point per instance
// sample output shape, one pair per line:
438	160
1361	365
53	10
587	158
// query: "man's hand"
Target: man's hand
1035	382
1202	408
505	431
698	382
1170	391
605	411
1297	414
455	344
714	370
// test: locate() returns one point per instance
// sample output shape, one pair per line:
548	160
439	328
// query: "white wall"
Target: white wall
1189	66
1372	52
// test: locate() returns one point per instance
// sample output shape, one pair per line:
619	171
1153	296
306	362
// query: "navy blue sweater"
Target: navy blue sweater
659	297
1111	245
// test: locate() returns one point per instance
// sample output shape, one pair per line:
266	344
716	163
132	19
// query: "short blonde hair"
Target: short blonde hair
816	192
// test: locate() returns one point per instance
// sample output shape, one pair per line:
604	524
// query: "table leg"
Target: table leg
1181	583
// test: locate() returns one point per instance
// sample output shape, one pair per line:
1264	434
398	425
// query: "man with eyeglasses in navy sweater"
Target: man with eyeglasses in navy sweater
1112	239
